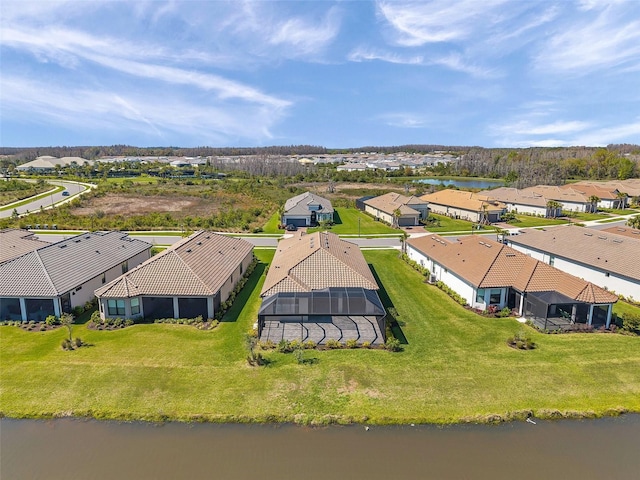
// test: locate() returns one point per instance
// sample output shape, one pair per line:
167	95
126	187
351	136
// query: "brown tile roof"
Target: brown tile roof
464	200
14	243
630	186
486	263
389	202
551	192
624	231
196	266
513	195
606	251
589	190
319	260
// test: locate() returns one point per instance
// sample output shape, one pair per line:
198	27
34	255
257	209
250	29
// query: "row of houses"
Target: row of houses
319	287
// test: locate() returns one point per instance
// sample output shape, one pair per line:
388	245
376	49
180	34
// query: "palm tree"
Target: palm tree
396	215
552	208
622	197
634	222
594	199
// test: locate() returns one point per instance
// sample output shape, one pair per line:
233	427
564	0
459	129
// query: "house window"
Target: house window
125	266
115	307
552	259
494	298
480	295
606	274
104	278
135	306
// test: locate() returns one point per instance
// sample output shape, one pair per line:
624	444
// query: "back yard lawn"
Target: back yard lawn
525	221
456	366
442	223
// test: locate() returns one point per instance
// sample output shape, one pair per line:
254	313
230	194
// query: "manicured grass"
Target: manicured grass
585	217
525	221
46	194
272	225
351	221
456	366
446	224
620	308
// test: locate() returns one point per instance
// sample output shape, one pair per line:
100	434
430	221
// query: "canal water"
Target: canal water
481	184
88	449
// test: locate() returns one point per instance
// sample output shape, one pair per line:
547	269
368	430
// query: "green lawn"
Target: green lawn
585	217
447	224
455	367
351	221
525	221
346	223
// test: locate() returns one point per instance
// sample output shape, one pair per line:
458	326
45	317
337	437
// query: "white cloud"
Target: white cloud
85	108
602	38
403	120
418	23
367	54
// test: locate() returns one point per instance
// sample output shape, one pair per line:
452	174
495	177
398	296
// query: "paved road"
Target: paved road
46	202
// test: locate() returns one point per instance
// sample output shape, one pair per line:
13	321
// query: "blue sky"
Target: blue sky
492	73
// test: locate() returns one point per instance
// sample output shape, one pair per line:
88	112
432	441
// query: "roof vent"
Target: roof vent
63	246
602	238
615	240
199	243
588	234
188	250
511	254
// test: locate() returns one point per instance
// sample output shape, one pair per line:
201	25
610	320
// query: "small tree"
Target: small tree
66	319
593	200
634	222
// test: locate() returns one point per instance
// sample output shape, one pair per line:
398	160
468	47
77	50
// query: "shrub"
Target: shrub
309	344
77	311
66	344
366	344
505	312
284	346
631	323
521	341
393	345
78	342
52	320
267	345
332	343
352	343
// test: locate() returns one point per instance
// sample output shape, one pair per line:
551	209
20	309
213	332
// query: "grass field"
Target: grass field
456	366
525	221
585	217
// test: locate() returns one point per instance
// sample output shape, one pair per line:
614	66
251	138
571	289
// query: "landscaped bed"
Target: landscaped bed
456	366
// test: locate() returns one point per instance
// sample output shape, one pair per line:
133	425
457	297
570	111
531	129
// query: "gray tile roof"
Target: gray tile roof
14	243
298	205
606	251
197	266
60	267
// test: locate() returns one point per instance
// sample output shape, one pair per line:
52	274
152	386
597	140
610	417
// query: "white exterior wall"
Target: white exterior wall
385	217
574	207
613	282
526	209
460	286
446	210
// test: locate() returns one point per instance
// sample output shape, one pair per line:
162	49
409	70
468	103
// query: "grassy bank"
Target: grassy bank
455	367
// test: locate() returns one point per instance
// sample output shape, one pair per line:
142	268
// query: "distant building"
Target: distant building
48	163
465	205
394	208
306	210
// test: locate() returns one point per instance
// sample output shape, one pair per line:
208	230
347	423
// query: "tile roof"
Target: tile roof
298	205
624	231
390	202
606	251
558	194
14	243
319	260
589	190
513	195
486	263
630	186
59	267
196	266
464	200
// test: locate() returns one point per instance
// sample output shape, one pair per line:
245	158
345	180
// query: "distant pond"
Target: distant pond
481	184
87	449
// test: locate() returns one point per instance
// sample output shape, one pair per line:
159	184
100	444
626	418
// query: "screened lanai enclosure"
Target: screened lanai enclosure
555	311
336	313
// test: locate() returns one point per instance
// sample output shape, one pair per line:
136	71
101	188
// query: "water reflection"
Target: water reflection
83	449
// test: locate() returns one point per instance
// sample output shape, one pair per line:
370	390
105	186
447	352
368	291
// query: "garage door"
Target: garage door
406	222
298	222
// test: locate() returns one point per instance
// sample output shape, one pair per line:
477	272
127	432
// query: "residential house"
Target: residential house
306	210
624	231
607	197
489	274
320	288
465	205
192	277
396	209
16	243
47	163
571	200
58	277
352	167
609	260
528	203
